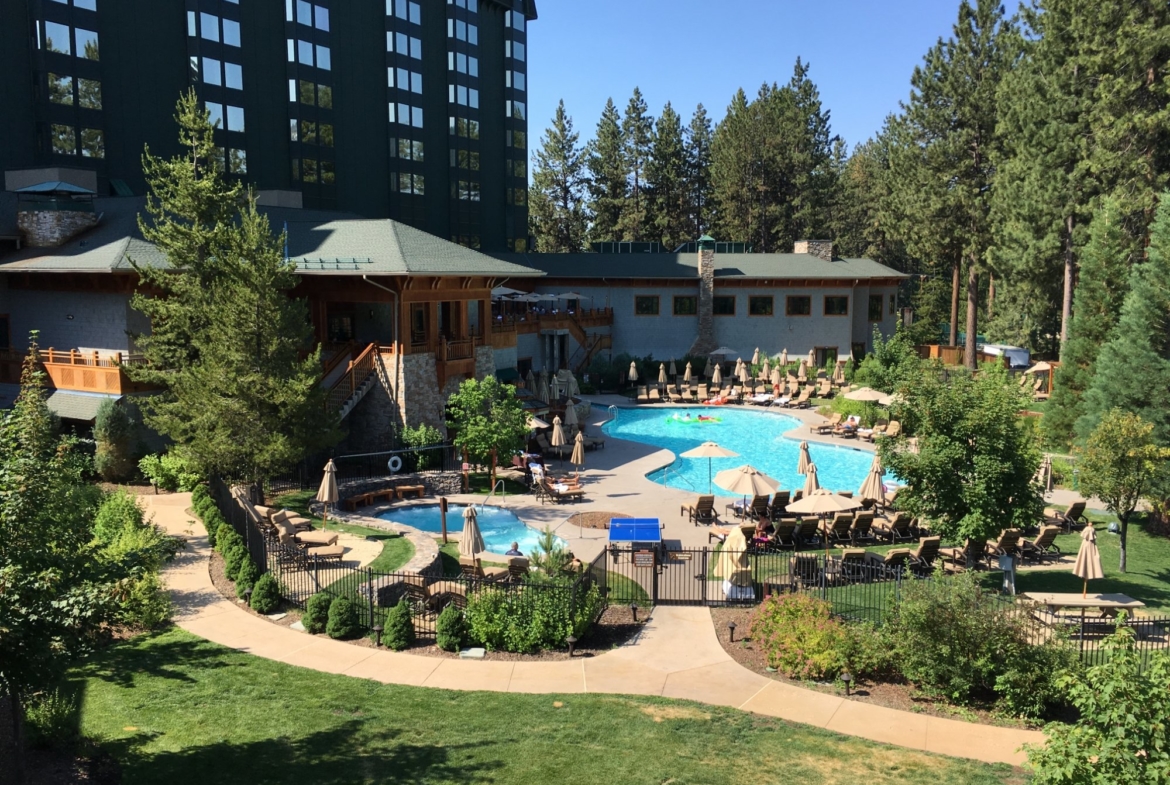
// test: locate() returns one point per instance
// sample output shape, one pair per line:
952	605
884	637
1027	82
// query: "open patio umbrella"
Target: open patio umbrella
723	353
1040	367
504	291
573	296
327	493
709	450
471	542
536	422
811	483
746	481
756	356
823	502
717	377
558	436
1088	565
891	399
578	458
662	374
633	375
734	566
571	422
868	396
873	488
805	459
687	374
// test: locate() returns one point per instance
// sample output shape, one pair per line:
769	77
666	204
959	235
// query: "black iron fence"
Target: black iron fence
255	539
367	466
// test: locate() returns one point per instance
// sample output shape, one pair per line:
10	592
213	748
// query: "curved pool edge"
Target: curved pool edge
455	522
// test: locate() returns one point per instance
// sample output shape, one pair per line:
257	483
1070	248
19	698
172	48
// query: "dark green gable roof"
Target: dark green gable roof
672	265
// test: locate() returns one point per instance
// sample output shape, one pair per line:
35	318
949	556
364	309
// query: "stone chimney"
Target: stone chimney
822	249
705	340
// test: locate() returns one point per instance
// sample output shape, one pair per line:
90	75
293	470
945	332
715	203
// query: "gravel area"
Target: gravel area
594	520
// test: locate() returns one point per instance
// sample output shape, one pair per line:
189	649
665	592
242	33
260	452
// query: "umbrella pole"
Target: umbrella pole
709	485
1085	589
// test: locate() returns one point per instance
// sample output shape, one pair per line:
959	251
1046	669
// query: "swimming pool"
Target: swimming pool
756	436
499	527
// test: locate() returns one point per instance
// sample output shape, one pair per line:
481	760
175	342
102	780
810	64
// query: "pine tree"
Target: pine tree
1104	273
1132	372
666	174
737	173
699	193
951	116
809	159
637	143
607	177
557	198
242	400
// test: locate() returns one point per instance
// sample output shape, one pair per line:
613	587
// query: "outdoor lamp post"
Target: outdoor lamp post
377	628
572	641
847	678
248	597
731	632
634	611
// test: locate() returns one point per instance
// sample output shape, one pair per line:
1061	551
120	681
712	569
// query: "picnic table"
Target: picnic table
1108	604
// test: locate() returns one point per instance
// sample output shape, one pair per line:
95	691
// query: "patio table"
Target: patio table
1108	604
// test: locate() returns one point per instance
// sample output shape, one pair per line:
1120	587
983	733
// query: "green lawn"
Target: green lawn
174	709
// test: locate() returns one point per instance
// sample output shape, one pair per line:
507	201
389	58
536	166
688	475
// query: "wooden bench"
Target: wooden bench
419	490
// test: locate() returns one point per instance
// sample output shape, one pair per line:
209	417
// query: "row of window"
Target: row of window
758	305
91	5
411	184
465	190
309	132
217	72
464	96
67	40
518	196
516	168
514	49
515	79
310	94
406	114
209	27
461	63
308	53
407	149
461	126
406	10
65	139
515	109
404	79
230	120
465	159
310	170
403	44
463	31
514	20
307	14
517	139
88	92
470	5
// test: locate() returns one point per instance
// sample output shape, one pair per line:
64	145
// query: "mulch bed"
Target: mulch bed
893	695
613	629
594	520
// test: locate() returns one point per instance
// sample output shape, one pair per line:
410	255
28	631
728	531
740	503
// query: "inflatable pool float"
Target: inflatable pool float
703	418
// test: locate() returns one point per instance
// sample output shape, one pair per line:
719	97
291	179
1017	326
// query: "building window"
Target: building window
875	307
64	139
723	306
92	143
235	118
324	96
798	305
836	305
407	149
893	304
514	49
231	32
89	93
646	305
237	161
685	305
760	306
61	89
86	42
328	175
411	184
57	39
233	76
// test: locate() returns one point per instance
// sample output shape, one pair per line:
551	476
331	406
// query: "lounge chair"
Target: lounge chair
702	511
784	535
802	401
824	389
1007	544
299	524
474	570
891	564
758	508
1042	546
971	552
594	442
922	559
517	568
897	527
861	530
805	571
306	538
305	550
655	395
837	530
829	425
848	429
809	532
559	492
892	430
1072	518
779	506
853	567
760	399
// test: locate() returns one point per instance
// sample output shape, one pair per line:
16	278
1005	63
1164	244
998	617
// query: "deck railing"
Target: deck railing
358	371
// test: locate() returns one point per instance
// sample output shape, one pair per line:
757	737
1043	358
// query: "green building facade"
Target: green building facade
409	109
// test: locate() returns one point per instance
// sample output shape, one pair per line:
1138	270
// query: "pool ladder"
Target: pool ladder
666	476
503	493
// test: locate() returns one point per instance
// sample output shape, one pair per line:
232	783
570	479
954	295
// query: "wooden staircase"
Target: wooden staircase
588	349
359	378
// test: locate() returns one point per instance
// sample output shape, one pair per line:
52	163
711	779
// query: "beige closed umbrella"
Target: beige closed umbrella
734	566
811	483
766	371
673	370
802	374
776	377
327	493
873	488
784	357
812	358
709	450
687	374
554	389
1088	564
839	373
709	368
805	460
557	439
744	373
717	377
471	542
571	422
633	371
662	374
756	356
578	457
530	382
542	393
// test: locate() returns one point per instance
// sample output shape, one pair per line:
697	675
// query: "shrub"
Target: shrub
1122	734
423	436
399	631
226	537
233	558
865	650
118	511
200	494
246	576
343	619
450	629
114	431
169	472
51	717
531	620
126	538
316	614
550	555
147	605
266	594
800	637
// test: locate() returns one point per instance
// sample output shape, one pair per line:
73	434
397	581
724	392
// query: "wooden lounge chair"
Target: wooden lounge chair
517	568
758	508
1072	518
853	567
474	569
897	527
922	559
779	506
784	535
971	552
837	530
805	571
1007	544
891	564
560	493
1043	546
828	426
702	511
861	530
809	532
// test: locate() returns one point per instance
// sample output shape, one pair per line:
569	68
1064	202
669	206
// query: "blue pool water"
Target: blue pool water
499	527
756	436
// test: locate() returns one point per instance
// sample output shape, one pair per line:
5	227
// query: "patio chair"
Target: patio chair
861	530
878	429
561	493
922	559
779	506
594	442
703	394
474	570
848	428
892	430
889	565
655	396
894	528
809	532
702	511
824	389
853	567
805	571
784	535
971	552
306	538
517	568
837	530
758	508
1007	544
802	401
289	518
643	394
828	426
1072	518
1043	546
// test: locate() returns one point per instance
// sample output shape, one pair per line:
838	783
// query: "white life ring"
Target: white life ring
394	464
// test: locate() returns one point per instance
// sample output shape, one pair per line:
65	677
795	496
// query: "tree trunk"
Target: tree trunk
990	295
972	312
16	772
1069	264
1121	539
954	338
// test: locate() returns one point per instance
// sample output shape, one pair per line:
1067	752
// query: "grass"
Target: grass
480	482
175	709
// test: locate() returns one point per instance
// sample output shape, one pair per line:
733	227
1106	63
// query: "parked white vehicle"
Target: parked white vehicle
1017	357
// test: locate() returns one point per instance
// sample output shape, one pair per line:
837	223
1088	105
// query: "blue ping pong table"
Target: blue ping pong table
635	532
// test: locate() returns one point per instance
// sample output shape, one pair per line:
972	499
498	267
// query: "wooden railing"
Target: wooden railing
534	321
954	355
358	371
100	372
336	354
460	349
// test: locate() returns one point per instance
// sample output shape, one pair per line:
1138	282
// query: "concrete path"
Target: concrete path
676	656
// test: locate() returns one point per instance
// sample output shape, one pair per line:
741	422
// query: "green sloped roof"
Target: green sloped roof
727	266
76	405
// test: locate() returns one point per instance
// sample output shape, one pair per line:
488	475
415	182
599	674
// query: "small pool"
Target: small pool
758	437
499	527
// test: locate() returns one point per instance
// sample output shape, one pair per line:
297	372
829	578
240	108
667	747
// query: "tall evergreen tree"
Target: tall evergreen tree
812	181
736	171
1104	274
1132	372
699	193
608	186
557	203
637	144
666	178
952	115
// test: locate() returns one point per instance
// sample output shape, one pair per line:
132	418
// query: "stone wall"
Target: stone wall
422	401
822	249
50	228
485	362
705	340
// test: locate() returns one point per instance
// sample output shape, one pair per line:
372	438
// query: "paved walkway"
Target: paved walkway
676	656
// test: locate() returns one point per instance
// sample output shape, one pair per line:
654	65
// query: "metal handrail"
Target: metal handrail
499	484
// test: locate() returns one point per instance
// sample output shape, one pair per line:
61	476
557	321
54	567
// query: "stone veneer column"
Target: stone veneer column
705	340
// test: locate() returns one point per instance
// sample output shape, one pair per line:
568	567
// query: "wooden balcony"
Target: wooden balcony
80	372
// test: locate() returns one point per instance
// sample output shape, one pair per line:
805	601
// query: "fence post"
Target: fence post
824	579
370	596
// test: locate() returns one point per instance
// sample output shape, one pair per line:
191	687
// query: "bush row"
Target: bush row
237	563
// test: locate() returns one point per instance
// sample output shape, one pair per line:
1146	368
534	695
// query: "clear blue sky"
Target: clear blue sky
689	52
